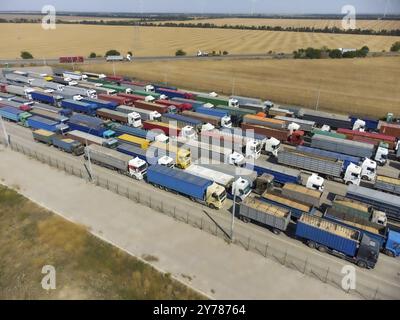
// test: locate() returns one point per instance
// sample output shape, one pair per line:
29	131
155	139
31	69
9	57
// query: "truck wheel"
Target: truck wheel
276	231
322	249
193	199
362	264
212	206
311	244
389	253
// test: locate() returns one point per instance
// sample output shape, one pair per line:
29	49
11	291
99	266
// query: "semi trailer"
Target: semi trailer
305	125
136	141
99	103
61	142
131	150
166	128
88	139
303	194
226	121
137	132
79	106
325	118
90	125
131	119
49	115
283	135
37	122
54	100
181	156
375	137
144	114
151	106
387	184
14	114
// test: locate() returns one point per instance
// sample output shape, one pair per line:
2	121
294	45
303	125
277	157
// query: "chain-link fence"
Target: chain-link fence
366	287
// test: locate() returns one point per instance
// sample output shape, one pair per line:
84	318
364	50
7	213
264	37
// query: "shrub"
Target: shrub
112	53
26	55
180	52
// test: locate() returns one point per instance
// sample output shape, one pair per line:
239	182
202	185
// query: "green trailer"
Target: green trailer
119	89
156	96
212	100
328	133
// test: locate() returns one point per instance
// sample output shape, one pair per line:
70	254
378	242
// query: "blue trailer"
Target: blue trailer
158	86
347	243
78	106
182	121
196	188
91	125
46	98
68	145
36	122
121	129
14	114
370	124
281	174
101	103
211	112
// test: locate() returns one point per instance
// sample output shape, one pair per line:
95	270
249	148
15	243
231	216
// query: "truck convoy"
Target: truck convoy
90	125
321	118
58	141
387	184
112	159
197	189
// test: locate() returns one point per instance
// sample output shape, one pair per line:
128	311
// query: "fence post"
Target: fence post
248	243
284	260
266	250
376	293
305	265
326	277
201	224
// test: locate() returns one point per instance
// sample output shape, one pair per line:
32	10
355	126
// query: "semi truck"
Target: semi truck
328	133
88	139
182	121
303	194
15	104
84	92
241	187
19	90
226	121
36	122
136	141
328	167
197	189
14	114
46	84
117	88
283	135
131	119
367	123
305	125
243	101
78	106
166	128
181	156
131	150
135	97
151	106
339	240
137	132
206	98
99	103
267	122
65	144
368	166
64	112
325	118
389	129
112	159
90	125
54	100
116	99
375	138
144	114
49	115
275	218
236	114
379	200
170	93
206	119
350	147
387	184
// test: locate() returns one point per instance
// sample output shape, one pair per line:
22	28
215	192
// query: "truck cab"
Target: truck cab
236	159
368	252
134	120
381	155
233	103
110	143
137	168
149	99
226	122
166	161
188	132
253	149
272	146
352	174
242	188
368	170
315	182
359	125
215	196
162	138
207	127
149	88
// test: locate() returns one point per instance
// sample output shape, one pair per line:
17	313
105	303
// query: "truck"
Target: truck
206	119
241	187
17	105
49	115
14	114
46	84
19	90
206	98
145	93
325	118
131	150
236	114
379	200
345	242
144	114
166	128
193	103
99	103
54	100
226	121
279	111
151	106
305	125
377	137
182	121
117	88
58	141
84	92
137	142
368	166
64	112
350	147
116	99
89	124
78	106
138	132
37	122
243	101
134	97
174	93
283	135
181	156
303	194
88	139
197	189
267	122
180	106
328	167
114	160
389	129
18	79
131	119
268	215
328	133
387	184
367	123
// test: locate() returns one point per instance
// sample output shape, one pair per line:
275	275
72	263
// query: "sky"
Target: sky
209	6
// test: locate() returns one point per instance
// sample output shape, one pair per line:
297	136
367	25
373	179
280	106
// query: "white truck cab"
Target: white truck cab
166	161
162	138
236	159
163	97
381	155
379	217
149	99
268	104
149	88
293	127
352	174
242	188
368	170
155	116
326	128
134	120
315	182
234	103
272	146
188	132
253	149
137	168
226	122
207	127
359	125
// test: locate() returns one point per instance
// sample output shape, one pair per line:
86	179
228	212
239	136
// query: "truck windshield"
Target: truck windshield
372	170
143	167
276	146
228	123
247	190
355	175
221	197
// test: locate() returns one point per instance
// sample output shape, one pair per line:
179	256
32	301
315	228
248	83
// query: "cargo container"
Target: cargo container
268	215
46	98
328	167
168	129
194	103
136	141
144	93
182	121
151	106
19	90
78	106
345	242
267	122
215	121
328	133
46	84
246	100
198	189
180	106
15	78
181	156
99	103
132	119
64	112
389	129
132	97
36	122
89	124
17	105
325	118
175	93
278	111
116	99
138	132
350	134
284	135
281	174
43	136
88	139
75	91
49	115
303	194
381	201
68	145
14	114
223	101
370	124
144	114
112	159
305	125
117	88
387	184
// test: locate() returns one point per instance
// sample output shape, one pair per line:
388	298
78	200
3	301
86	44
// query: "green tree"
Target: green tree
26	55
395	46
180	52
335	54
93	55
130	53
225	53
112	52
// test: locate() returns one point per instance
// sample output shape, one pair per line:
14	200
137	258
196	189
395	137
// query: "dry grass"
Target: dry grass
360	86
153	41
86	267
12	16
316	23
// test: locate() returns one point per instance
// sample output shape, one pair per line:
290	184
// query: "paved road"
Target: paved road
385	273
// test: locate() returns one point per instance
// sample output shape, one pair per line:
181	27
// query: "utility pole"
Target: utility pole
113	68
4	131
319	94
233	209
233	85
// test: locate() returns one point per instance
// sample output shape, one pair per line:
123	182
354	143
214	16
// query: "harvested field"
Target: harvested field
311	23
153	41
360	86
71	18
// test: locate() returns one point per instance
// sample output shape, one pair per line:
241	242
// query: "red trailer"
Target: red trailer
3	87
390	129
151	106
133	97
116	99
74	59
179	105
114	78
168	129
283	135
391	141
135	83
